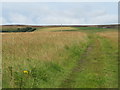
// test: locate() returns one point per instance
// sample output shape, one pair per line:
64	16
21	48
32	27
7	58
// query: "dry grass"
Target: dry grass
111	35
56	28
24	51
50	57
38	46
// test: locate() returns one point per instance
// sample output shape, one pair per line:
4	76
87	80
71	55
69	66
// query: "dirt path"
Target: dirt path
78	68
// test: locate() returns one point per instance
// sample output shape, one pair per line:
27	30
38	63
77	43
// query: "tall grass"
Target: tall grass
48	57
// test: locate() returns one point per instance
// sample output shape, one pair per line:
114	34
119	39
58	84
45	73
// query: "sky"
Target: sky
67	13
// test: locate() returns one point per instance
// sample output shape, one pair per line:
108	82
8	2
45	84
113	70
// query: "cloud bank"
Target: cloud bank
59	13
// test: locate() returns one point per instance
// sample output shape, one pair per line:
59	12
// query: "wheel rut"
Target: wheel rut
79	67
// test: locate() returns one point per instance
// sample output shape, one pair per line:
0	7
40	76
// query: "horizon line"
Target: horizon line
61	24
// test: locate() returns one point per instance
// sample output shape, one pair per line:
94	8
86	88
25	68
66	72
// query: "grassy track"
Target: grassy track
97	67
79	67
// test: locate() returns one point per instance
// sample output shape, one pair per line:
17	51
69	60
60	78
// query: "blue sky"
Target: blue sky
59	13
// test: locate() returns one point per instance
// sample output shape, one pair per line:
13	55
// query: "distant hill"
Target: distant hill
30	28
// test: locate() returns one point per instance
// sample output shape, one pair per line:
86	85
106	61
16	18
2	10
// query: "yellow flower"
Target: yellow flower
25	72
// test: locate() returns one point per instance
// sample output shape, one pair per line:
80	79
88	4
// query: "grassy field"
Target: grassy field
49	58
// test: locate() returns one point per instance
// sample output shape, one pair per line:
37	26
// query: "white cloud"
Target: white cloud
2	21
19	18
97	13
60	20
47	13
104	19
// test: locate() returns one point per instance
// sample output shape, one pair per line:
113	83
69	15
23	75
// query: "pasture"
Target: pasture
60	57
